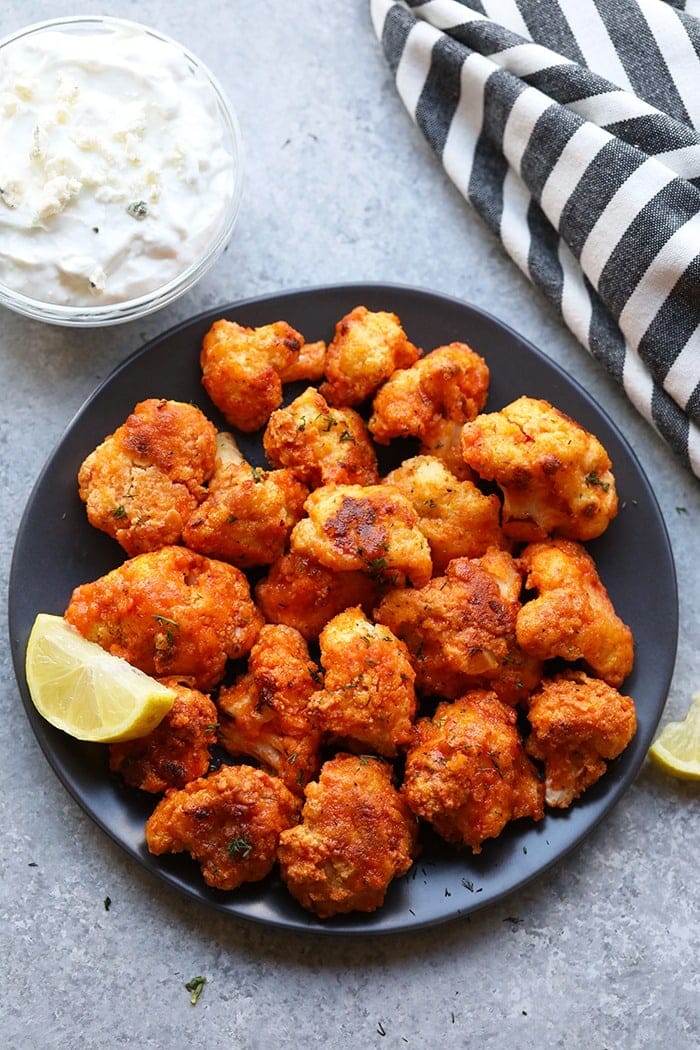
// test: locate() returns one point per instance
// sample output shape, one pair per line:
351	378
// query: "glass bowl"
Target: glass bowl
177	255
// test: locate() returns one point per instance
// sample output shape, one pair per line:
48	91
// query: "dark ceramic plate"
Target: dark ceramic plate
56	549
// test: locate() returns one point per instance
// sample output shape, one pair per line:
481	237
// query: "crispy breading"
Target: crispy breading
366	348
320	444
443	439
177	750
230	823
454	516
247	515
371	528
368	700
450	383
356	835
265	713
300	592
142	483
308	366
460	629
467	772
578	724
555	476
170	612
572	616
242	368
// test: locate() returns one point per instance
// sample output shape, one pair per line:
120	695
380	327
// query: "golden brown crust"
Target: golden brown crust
370	528
460	629
176	751
230	823
368	701
578	725
450	383
265	713
467	772
356	836
555	477
242	368
366	348
170	612
141	484
319	444
572	616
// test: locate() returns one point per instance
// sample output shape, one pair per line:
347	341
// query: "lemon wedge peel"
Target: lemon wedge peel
677	748
87	692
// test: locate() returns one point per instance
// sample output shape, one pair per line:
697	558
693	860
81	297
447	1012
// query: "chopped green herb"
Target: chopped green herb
240	847
119	512
108	903
258	474
137	209
593	479
345	435
195	988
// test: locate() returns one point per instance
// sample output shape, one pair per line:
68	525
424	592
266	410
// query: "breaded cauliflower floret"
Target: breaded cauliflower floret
460	629
177	750
265	713
450	383
572	617
308	366
454	516
241	369
170	612
301	593
247	515
554	475
366	348
356	835
141	484
467	772
368	700
578	724
370	528
319	444
443	439
229	822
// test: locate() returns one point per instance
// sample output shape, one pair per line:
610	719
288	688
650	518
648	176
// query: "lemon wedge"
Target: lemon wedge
80	688
677	748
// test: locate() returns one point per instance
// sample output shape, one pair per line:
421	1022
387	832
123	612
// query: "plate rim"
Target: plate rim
357	923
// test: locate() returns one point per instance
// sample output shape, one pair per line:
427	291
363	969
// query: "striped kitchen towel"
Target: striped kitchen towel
573	128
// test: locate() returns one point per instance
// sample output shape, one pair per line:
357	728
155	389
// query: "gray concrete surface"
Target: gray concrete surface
340	187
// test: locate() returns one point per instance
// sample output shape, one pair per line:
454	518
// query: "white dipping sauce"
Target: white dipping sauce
115	170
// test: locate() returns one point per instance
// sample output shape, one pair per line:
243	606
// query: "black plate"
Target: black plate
56	549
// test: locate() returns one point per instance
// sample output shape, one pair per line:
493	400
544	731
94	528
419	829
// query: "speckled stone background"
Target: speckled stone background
601	951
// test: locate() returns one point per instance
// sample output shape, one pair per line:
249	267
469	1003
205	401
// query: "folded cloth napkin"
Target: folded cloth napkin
573	128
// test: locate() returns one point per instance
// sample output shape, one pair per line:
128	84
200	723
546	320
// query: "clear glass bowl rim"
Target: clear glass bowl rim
130	309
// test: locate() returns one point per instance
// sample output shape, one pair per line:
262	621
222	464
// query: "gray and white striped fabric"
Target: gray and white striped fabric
573	128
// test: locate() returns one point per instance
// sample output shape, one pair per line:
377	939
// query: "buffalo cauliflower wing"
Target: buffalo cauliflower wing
467	772
372	529
578	724
572	616
454	516
319	444
142	483
460	629
304	594
355	837
366	348
450	383
247	514
242	368
308	365
170	612
368	699
265	713
554	475
176	751
229	822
